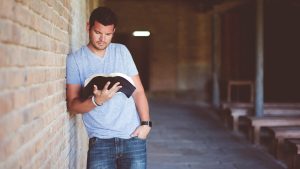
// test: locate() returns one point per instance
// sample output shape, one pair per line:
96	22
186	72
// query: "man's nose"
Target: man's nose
101	37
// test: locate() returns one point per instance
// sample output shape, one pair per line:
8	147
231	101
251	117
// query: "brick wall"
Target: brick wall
194	52
36	129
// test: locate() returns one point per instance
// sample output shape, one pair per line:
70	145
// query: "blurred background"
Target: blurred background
198	51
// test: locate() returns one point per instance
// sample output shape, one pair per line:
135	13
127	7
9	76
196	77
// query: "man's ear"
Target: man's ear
87	26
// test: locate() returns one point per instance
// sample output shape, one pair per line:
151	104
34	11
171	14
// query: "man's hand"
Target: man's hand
105	94
141	132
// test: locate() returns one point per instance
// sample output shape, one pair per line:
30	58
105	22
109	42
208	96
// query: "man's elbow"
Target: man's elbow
139	92
71	108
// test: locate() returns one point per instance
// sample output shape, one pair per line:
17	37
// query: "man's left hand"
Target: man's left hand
141	132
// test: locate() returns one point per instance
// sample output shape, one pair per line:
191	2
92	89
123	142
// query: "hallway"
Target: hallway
186	136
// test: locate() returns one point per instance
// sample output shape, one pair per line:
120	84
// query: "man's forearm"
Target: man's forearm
79	107
142	105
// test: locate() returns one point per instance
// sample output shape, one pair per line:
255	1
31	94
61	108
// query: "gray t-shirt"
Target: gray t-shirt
117	117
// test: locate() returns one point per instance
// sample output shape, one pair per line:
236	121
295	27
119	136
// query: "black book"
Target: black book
100	80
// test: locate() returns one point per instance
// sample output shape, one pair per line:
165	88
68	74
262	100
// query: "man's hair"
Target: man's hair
103	15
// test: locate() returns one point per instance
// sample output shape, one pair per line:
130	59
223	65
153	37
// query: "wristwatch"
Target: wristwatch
146	123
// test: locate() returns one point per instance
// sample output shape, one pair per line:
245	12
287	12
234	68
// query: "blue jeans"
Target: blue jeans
117	153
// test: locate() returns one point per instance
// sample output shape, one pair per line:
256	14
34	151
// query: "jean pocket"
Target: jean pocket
137	138
92	142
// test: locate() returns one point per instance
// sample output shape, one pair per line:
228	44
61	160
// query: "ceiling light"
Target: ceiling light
141	33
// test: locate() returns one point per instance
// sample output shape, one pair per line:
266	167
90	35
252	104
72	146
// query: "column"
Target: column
215	59
259	90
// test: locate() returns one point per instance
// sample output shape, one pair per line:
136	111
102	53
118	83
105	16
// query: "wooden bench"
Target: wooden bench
292	151
269	110
226	109
237	104
255	124
234	117
226	105
278	135
234	112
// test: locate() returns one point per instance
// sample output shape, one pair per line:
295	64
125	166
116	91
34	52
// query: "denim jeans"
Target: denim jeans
117	153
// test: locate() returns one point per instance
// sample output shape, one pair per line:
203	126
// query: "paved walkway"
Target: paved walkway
190	137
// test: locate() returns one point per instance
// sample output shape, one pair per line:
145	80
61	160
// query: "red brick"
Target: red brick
11	78
6	27
6	103
24	16
9	124
7	51
6	9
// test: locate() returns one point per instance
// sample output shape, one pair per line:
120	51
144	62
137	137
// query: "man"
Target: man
117	126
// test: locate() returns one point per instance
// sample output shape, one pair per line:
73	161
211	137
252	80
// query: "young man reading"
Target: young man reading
117	126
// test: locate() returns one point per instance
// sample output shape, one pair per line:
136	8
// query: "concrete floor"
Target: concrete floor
192	137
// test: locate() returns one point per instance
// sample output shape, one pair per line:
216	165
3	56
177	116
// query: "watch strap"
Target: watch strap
146	123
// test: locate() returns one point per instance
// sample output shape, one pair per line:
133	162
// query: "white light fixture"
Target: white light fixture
141	33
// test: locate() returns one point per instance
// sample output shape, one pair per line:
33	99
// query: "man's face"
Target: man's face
100	35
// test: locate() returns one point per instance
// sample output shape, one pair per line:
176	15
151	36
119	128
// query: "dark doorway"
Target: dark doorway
238	48
139	48
282	39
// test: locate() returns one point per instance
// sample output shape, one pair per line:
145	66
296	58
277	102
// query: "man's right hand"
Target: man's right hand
105	94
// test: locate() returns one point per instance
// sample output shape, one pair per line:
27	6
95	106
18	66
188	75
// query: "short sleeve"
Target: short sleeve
131	67
73	76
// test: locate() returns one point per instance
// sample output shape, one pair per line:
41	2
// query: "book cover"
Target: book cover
100	80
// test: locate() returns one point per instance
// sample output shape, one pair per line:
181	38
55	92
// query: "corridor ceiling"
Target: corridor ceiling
203	5
200	5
